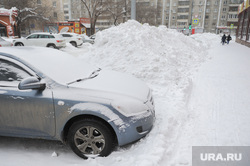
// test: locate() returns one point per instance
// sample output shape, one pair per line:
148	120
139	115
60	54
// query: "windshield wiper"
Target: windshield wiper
92	75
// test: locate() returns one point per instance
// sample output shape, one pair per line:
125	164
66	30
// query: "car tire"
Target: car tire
19	44
51	46
90	138
73	44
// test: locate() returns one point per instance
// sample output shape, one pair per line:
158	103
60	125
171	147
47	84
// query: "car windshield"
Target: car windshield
59	66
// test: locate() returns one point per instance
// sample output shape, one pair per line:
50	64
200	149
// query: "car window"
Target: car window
51	36
11	74
66	35
32	37
44	36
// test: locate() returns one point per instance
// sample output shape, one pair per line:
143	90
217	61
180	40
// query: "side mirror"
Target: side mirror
31	83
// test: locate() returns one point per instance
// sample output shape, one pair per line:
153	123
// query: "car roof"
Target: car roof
43	33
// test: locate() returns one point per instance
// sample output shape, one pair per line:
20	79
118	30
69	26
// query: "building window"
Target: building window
173	17
66	17
207	17
224	9
66	12
200	9
65	6
223	17
215	17
215	10
55	14
54	4
208	10
39	2
225	2
216	3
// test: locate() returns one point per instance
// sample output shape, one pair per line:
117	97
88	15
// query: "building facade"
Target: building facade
243	31
213	16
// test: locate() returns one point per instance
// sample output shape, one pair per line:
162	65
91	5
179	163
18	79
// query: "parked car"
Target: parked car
87	39
42	39
49	94
72	38
4	43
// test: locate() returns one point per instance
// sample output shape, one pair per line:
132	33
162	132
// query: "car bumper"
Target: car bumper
135	127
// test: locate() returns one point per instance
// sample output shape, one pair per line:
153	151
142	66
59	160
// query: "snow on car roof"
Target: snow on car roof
59	66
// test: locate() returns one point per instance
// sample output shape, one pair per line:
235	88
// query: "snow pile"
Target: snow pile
157	55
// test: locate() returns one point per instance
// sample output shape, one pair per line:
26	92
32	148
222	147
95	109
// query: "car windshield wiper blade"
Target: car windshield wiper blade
92	75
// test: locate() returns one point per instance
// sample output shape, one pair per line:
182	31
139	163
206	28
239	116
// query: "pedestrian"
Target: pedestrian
228	38
223	39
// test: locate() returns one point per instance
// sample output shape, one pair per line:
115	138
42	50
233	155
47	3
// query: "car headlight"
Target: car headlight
129	107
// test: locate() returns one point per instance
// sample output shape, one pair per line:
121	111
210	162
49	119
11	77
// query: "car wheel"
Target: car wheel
73	44
51	46
19	44
90	137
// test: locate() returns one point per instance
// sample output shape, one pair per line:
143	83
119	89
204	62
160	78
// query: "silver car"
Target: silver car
48	94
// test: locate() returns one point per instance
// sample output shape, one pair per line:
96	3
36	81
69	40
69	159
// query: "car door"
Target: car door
25	113
32	40
44	40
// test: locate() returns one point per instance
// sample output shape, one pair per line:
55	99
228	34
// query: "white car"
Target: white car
87	39
41	39
72	38
4	43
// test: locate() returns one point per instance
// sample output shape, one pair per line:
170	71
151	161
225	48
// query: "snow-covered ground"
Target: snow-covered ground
201	92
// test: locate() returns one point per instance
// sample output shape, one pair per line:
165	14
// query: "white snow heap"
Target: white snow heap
156	55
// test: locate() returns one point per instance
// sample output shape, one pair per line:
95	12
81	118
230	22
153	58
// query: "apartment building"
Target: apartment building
206	15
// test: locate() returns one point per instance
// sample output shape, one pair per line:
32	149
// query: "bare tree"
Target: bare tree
145	13
95	8
118	11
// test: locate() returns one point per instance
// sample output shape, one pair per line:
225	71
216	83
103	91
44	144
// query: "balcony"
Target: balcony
232	19
234	4
183	6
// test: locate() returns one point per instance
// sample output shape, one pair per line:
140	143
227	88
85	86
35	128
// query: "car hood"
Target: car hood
115	82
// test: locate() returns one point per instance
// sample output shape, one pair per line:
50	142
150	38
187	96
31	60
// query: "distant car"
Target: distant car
72	38
87	39
46	93
42	39
4	43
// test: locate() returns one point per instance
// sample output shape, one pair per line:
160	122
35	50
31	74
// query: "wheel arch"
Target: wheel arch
74	119
50	44
16	43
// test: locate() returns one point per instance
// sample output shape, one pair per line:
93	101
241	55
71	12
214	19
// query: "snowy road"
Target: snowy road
219	107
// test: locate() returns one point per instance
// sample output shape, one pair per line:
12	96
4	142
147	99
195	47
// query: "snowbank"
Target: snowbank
157	55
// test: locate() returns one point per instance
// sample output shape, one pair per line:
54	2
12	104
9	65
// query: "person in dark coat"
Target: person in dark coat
223	39
228	38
